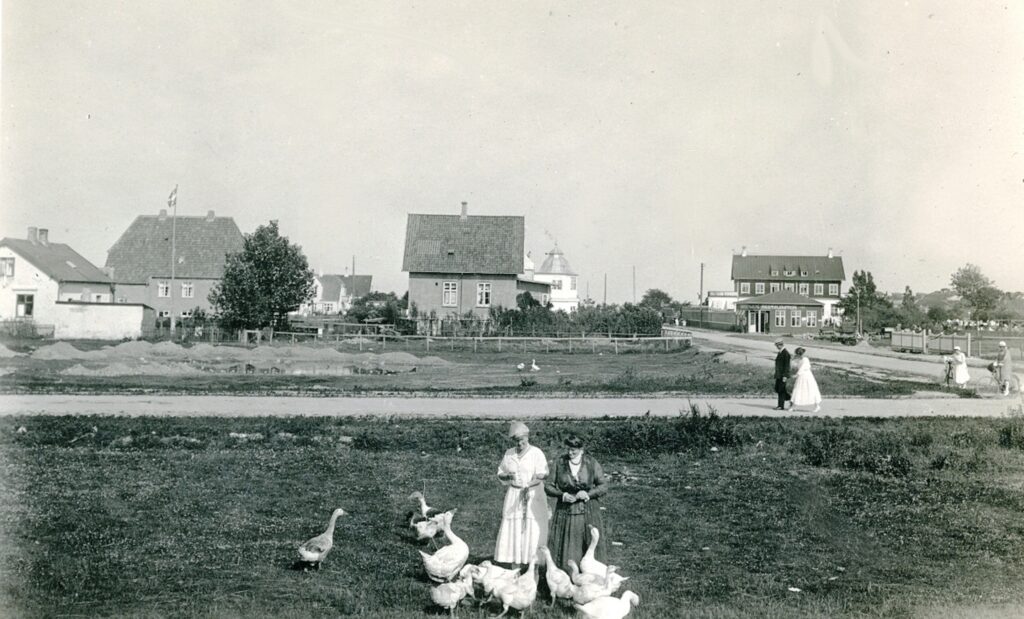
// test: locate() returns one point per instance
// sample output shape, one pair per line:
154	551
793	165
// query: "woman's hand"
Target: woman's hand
568	498
583	496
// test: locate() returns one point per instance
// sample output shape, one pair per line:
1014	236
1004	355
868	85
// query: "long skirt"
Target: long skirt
569	536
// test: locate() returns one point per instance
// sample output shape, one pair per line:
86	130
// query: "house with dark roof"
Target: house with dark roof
140	261
333	294
461	264
59	292
35	274
812	281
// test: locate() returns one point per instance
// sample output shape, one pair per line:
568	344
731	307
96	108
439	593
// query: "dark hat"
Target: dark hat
573	441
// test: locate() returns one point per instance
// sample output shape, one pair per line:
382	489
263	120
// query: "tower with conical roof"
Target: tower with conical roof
556	271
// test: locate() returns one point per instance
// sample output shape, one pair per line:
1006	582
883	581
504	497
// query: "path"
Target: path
228	406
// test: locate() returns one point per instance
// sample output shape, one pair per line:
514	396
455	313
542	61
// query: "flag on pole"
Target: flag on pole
173	198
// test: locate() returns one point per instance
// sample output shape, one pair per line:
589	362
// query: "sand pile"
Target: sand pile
144	369
6	352
61	351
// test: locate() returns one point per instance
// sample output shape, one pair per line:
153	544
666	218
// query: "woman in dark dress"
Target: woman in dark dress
577	485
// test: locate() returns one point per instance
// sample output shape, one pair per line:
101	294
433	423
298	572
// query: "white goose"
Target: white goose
559	583
588	564
449	594
533	366
591	591
315	549
444	564
520	593
491	576
608	607
579	578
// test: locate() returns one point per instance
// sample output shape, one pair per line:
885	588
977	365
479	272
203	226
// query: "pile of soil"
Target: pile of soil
121	369
6	352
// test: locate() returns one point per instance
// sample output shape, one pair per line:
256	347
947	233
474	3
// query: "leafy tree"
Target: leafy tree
909	312
656	299
264	281
977	291
938	314
383	307
875	309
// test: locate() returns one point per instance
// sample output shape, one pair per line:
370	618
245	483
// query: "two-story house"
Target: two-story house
461	264
787	294
333	294
140	261
555	270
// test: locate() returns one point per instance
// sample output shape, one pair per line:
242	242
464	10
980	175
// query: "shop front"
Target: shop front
779	313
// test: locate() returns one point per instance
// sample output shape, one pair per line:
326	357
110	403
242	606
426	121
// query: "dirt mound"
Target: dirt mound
134	348
61	351
121	369
6	352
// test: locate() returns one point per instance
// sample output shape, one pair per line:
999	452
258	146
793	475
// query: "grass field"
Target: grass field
683	372
717	517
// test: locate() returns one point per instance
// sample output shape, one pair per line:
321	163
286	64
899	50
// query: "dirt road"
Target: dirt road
227	406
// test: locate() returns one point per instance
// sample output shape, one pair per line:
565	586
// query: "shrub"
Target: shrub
1011	435
877	453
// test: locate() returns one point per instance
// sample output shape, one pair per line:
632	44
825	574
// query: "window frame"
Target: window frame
780	318
188	290
759	288
24	305
789	286
4	264
794	318
774	286
744	287
449	293
833	290
803	288
819	290
812	318
483	294
163	289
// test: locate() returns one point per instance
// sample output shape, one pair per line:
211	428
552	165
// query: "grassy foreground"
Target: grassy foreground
717	517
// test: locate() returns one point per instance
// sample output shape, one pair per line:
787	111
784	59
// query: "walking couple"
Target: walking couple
805	388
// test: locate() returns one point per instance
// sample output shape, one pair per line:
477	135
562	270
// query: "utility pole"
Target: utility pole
172	201
700	299
634	284
605	302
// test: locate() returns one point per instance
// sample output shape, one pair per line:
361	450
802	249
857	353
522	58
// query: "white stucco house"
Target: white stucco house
555	270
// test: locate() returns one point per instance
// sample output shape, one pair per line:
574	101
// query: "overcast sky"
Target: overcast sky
654	135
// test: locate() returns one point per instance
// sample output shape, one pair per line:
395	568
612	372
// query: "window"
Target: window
774	286
833	290
483	295
780	318
97	298
7	267
163	314
556	284
544	299
794	318
803	289
24	305
812	318
775	272
450	294
122	299
186	313
187	290
572	283
803	273
819	289
759	288
789	286
790	273
744	287
163	289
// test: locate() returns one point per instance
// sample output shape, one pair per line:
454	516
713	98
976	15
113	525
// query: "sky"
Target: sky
642	137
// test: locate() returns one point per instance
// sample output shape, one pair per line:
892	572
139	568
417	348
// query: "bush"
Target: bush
1011	435
879	454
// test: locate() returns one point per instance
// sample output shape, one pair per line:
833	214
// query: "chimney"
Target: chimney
33	235
743	252
829	252
44	236
163	214
209	215
465	211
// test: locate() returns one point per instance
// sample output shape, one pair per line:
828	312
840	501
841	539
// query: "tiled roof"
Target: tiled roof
781	297
57	260
144	250
357	285
489	245
817	268
556	264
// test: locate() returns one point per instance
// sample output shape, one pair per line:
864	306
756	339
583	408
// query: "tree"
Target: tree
657	300
264	281
909	312
874	308
383	307
977	291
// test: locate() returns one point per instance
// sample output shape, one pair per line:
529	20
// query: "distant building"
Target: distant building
333	294
35	274
140	261
461	264
556	271
722	299
814	281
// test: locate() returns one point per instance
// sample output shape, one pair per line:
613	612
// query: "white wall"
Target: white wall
100	321
27	280
565	299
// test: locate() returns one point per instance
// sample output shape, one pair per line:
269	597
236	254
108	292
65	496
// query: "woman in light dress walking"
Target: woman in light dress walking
805	388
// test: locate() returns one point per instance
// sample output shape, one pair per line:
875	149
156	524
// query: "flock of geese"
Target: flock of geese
589	585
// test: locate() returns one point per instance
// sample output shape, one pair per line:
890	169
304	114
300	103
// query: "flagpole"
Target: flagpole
173	203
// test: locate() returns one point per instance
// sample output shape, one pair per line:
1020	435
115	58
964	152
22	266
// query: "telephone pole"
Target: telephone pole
172	201
701	297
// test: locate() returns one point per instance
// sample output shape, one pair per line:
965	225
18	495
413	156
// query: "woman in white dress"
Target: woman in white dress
524	515
805	388
960	373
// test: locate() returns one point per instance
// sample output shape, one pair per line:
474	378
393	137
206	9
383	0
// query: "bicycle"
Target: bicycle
992	382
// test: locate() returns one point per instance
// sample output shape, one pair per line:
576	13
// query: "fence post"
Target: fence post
474	344
428	343
384	342
570	345
616	342
499	343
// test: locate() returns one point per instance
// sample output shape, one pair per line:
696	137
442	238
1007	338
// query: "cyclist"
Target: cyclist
956	368
1004	367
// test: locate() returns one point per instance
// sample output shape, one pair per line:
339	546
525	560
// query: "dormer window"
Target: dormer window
790	273
775	272
803	273
451	252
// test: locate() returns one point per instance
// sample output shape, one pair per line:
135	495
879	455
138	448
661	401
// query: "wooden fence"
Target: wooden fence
942	343
493	344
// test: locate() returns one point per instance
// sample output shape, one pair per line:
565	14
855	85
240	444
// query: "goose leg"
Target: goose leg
502	612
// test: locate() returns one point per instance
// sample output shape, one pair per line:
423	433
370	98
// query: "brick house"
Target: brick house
817	279
461	264
140	261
